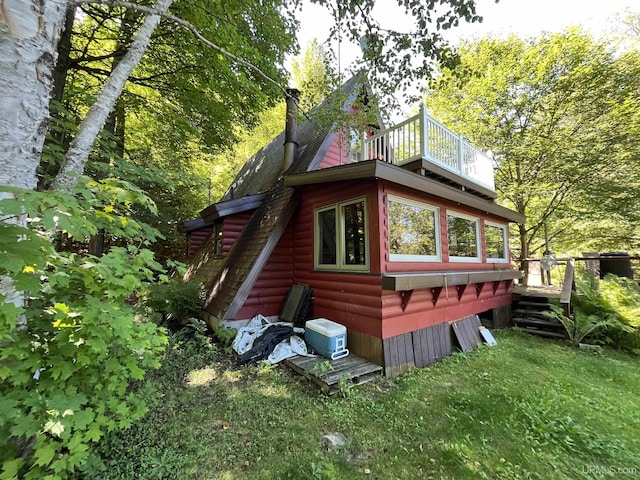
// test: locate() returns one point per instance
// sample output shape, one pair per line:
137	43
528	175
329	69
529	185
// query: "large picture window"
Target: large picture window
463	237
341	236
413	230
495	239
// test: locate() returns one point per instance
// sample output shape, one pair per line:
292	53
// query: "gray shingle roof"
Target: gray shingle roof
229	280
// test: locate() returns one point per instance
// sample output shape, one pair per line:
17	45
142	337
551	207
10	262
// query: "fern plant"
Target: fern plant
604	312
579	326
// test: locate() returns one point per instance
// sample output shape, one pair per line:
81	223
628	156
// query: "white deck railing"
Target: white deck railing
422	137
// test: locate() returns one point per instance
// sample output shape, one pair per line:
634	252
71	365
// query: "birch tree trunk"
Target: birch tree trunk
29	33
81	145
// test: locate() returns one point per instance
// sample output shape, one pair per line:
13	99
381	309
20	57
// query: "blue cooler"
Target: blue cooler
328	338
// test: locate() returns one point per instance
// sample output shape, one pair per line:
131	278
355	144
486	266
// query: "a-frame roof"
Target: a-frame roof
228	280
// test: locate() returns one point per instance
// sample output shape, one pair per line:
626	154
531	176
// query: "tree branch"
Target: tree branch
78	153
192	29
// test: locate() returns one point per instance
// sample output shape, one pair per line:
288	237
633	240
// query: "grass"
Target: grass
527	408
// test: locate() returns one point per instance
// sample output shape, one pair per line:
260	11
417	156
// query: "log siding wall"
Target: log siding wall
351	299
231	228
274	282
196	238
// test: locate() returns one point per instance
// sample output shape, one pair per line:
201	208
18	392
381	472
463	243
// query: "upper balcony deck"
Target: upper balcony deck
422	144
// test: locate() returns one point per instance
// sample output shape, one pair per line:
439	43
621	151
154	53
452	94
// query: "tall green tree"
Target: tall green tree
313	75
559	113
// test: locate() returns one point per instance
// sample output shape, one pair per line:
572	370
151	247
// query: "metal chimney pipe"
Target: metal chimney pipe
291	130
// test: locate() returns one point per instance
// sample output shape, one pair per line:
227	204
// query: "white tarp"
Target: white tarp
289	347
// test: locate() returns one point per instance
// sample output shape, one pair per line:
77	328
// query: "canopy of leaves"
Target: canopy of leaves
559	113
397	60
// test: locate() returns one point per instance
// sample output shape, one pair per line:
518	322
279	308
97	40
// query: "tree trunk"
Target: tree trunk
524	253
48	170
81	145
28	42
63	62
27	58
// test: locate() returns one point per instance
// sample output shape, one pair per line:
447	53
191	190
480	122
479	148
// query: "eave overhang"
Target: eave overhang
375	169
229	207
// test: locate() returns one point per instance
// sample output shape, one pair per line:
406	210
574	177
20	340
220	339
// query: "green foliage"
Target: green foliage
396	60
176	300
616	299
67	357
313	74
605	312
189	350
557	113
183	104
226	336
579	325
525	409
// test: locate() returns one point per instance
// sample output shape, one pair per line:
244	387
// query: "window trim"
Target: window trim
403	257
455	258
340	264
218	239
505	240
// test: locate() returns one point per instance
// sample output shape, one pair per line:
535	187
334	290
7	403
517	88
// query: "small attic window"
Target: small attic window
217	238
354	147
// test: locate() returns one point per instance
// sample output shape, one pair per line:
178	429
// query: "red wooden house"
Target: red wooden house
398	238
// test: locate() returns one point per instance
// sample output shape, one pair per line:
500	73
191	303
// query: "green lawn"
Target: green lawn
527	408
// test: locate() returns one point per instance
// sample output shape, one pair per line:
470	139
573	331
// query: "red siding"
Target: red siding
351	299
197	238
274	282
231	228
420	311
336	154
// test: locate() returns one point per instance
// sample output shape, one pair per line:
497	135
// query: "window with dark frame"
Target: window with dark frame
341	236
217	238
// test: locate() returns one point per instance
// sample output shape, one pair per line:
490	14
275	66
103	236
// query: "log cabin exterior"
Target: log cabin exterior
398	239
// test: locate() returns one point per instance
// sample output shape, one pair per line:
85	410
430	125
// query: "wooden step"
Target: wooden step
538	323
532	304
331	375
542	333
519	312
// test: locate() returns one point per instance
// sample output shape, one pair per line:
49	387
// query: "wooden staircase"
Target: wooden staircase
528	317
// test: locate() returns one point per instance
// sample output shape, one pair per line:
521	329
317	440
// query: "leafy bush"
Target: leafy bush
176	300
578	326
67	357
